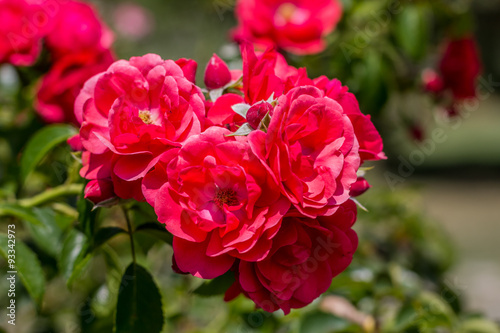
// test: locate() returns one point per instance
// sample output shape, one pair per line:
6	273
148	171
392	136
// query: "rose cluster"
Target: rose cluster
77	41
253	174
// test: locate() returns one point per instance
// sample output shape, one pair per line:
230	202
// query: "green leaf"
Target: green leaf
139	307
105	234
23	213
47	236
479	325
74	256
28	268
156	230
217	286
40	144
319	322
412	30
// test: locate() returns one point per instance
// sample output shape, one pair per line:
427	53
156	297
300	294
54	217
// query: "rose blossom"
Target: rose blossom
306	255
62	84
131	116
77	28
23	25
297	26
220	203
460	67
311	149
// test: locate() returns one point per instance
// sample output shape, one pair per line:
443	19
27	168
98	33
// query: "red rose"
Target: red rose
460	67
62	84
296	26
77	28
311	149
220	203
23	25
305	257
132	115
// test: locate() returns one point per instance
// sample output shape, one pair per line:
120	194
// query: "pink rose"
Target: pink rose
306	255
311	149
220	203
23	25
77	28
296	26
62	84
132	115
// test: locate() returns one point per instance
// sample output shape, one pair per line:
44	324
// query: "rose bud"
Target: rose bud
257	112
359	187
189	68
217	74
99	190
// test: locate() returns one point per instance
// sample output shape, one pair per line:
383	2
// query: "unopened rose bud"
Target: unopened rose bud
99	190
257	112
217	74
359	187
189	68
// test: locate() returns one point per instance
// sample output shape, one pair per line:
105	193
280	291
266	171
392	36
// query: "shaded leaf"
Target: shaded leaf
217	286
139	307
48	235
156	230
40	144
105	234
28	268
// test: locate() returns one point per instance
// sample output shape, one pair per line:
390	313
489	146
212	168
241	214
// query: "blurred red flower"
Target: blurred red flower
298	26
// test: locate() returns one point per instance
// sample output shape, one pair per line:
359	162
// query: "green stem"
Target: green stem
51	194
130	233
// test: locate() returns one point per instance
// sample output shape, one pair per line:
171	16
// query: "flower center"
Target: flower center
286	11
227	197
145	117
